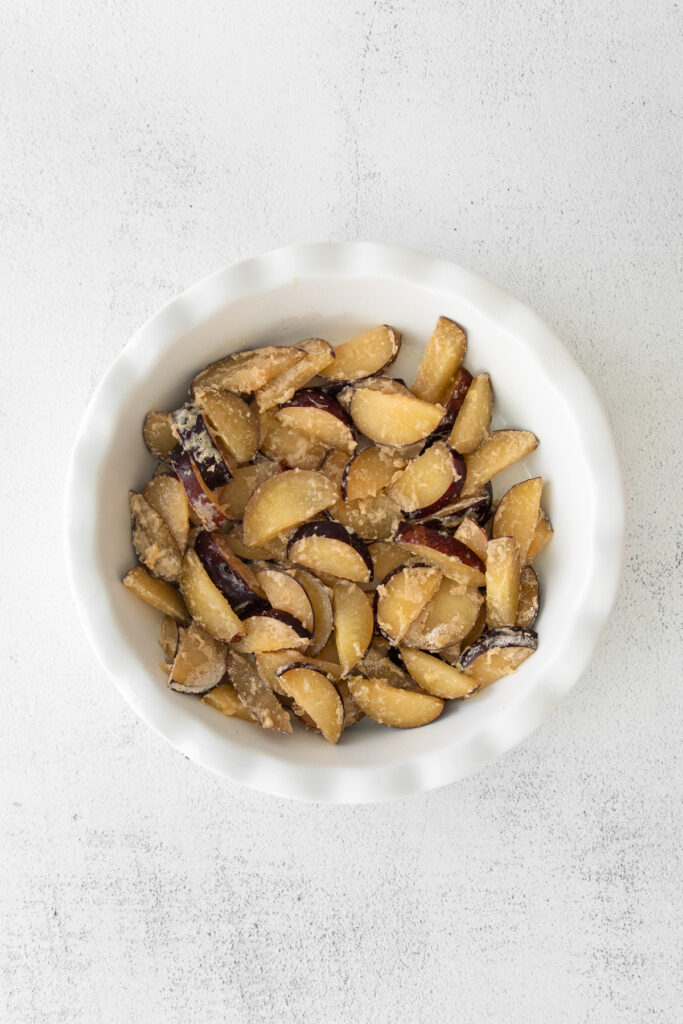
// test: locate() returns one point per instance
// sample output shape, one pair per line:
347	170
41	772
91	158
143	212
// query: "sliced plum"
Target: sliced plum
320	417
316	695
157	433
205	602
365	355
246	372
236	581
498	653
200	661
316	355
438	548
330	548
157	593
256	696
517	514
271	630
202	500
500	449
444	352
430	482
386	704
370	472
191	430
285	501
529	593
402	596
153	541
394	418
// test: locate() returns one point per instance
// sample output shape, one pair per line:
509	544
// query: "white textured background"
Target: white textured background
146	144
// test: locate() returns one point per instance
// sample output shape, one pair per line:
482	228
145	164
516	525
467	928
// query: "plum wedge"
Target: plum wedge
371	518
370	472
379	663
157	593
401	709
153	541
285	501
321	603
246	372
474	417
436	676
474	535
286	593
256	696
157	433
290	447
543	534
269	663
316	355
354	624
517	514
402	596
430	482
477	506
232	499
501	449
365	355
225	698
454	396
169	638
327	547
191	430
498	653
271	630
333	466
203	501
315	694
529	594
200	661
236	581
395	418
451	556
447	618
387	556
205	603
166	495
502	582
352	713
233	425
319	417
441	361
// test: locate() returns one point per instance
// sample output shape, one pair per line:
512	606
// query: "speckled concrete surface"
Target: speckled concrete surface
144	145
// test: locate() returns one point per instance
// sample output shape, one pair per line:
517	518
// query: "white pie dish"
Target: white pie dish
334	290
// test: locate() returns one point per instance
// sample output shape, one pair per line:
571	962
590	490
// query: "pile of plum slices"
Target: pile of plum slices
323	541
